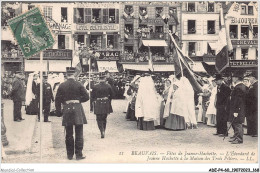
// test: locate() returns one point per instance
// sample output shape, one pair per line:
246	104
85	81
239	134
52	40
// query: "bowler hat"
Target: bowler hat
218	77
70	69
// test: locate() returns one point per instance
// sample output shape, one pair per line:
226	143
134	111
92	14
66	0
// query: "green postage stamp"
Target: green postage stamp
31	32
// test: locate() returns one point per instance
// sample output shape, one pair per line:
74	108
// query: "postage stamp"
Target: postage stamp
31	32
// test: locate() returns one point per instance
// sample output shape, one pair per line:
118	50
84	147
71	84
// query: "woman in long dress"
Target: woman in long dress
174	111
147	107
167	85
31	102
211	111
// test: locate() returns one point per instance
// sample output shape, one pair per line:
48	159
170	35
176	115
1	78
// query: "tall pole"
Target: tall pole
41	95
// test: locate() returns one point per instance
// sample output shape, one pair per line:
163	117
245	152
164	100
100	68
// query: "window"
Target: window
112	16
244	54
172	28
78	15
243	9
172	10
47	13
129	28
96	15
110	41
255	32
191	27
61	41
191	49
250	10
211	51
64	15
211	27
80	39
30	7
129	49
158	11
95	42
233	31
244	32
191	6
158	29
210	6
129	9
142	11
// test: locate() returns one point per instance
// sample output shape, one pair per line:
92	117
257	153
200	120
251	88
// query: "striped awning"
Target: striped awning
144	67
155	43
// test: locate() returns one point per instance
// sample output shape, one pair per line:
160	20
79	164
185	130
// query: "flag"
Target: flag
76	62
251	28
222	59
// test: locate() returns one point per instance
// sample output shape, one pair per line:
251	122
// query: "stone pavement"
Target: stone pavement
19	134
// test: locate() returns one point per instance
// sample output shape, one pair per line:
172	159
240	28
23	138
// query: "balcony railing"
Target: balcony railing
144	57
153	35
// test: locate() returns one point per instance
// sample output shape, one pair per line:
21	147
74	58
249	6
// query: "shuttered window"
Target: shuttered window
87	15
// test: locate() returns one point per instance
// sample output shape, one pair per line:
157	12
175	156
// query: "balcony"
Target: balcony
154	35
144	57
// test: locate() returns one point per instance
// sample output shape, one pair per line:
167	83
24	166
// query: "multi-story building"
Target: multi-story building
242	25
200	25
148	23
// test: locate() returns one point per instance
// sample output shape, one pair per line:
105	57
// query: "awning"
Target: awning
144	67
59	65
34	65
155	43
213	46
107	65
197	67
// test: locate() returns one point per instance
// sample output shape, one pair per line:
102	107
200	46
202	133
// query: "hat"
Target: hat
253	74
218	77
44	75
19	72
70	69
102	77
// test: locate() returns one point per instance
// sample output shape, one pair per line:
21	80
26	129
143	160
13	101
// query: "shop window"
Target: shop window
211	27
158	29
95	42
64	14
244	54
233	31
129	49
96	15
129	28
158	11
244	32
112	16
80	39
78	15
30	7
255	32
210	6
191	6
47	11
243	9
191	26
61	41
110	41
250	10
191	49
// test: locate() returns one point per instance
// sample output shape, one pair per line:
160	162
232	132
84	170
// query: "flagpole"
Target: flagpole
41	95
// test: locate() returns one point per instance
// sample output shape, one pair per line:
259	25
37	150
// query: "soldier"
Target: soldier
71	94
102	95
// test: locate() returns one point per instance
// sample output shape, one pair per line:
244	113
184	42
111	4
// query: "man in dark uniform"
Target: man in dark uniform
238	107
47	95
102	95
251	105
18	96
223	94
89	87
71	94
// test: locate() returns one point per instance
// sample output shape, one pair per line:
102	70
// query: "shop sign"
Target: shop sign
244	42
158	21
244	20
97	27
55	54
60	26
243	63
108	55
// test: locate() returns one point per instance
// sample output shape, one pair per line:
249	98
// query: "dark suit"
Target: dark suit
73	113
102	95
223	93
237	105
252	109
18	95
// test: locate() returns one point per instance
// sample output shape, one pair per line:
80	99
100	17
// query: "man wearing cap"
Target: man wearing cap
251	105
47	98
71	94
237	107
18	95
102	95
223	94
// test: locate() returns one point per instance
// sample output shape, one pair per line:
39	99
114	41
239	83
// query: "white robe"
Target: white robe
211	108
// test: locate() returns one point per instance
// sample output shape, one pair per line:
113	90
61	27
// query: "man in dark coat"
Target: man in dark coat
238	108
47	95
18	96
71	94
102	95
223	93
251	105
